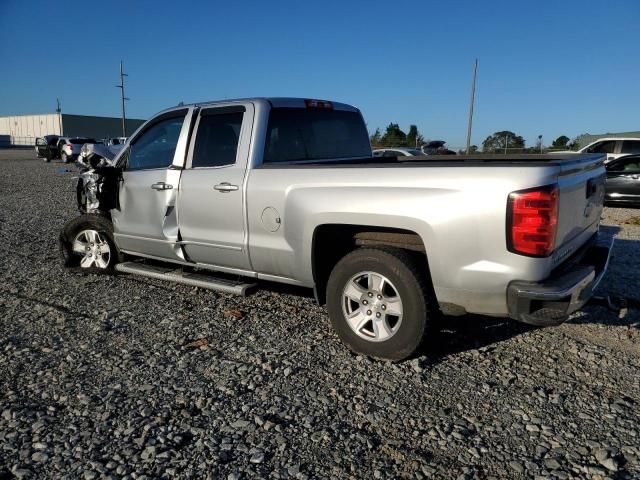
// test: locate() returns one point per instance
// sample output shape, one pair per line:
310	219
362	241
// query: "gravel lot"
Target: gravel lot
125	377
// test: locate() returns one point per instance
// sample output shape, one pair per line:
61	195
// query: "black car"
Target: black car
47	147
623	182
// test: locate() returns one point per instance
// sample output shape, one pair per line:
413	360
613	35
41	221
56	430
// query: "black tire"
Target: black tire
410	283
46	159
88	222
64	157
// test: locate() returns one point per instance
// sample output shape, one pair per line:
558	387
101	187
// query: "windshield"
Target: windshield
314	134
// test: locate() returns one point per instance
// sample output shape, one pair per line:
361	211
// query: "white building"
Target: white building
22	130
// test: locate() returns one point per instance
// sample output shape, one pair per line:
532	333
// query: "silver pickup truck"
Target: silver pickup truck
223	194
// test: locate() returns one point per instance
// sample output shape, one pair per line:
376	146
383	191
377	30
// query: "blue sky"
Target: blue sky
550	68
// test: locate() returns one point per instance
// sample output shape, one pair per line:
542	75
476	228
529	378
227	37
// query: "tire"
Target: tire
87	246
396	337
46	159
64	157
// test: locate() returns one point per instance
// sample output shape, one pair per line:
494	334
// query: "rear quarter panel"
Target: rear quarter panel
458	211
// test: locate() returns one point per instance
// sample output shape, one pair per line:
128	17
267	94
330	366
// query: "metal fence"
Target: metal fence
14	141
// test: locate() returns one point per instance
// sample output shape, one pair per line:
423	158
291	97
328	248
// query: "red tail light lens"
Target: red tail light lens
532	221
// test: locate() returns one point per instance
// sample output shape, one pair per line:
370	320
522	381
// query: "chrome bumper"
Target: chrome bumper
551	301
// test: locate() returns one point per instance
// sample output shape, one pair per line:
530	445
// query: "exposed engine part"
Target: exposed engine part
97	189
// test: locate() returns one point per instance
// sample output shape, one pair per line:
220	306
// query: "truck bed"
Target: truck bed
563	160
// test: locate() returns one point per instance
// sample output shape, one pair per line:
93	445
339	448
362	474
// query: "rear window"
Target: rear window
631	146
82	141
314	134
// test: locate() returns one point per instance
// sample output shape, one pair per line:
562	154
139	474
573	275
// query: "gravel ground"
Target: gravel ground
125	377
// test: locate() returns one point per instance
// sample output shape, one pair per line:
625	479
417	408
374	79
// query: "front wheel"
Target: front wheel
378	303
86	244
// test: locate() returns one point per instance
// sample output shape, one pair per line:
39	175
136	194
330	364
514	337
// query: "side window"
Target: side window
41	142
156	146
608	146
378	153
631	165
217	138
627	165
631	146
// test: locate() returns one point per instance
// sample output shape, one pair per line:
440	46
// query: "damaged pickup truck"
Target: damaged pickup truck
221	195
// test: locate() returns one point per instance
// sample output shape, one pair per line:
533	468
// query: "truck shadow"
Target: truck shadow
469	332
616	304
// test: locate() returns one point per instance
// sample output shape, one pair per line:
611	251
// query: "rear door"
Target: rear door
211	202
623	180
146	221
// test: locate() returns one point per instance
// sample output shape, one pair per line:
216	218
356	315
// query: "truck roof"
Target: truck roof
279	102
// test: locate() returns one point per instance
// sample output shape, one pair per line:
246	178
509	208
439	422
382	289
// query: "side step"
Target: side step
186	278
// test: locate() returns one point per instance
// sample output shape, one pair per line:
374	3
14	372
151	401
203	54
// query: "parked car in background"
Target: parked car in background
623	182
436	147
397	152
613	147
70	147
286	190
47	147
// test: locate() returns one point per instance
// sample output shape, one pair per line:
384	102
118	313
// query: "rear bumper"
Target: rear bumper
551	301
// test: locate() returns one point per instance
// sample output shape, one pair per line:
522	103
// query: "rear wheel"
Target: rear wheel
87	245
378	303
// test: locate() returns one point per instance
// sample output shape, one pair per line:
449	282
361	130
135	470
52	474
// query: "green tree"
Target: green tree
573	145
414	139
394	137
500	141
561	142
376	138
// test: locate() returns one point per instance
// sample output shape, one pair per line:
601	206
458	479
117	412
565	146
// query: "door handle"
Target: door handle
226	187
162	186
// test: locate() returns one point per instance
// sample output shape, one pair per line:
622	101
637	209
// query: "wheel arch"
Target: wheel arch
332	241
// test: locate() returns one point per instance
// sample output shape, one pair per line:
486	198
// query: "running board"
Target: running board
186	278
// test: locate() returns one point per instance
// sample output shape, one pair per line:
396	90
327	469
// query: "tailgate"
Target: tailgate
581	183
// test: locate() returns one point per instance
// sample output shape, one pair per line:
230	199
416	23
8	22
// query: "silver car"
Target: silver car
70	147
397	152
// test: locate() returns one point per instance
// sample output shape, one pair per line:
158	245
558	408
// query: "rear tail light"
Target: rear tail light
532	221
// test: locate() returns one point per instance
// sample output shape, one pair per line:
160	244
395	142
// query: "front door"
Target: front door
146	220
211	198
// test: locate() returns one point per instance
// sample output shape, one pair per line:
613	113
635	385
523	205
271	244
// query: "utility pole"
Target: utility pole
473	95
121	87
59	112
506	141
540	140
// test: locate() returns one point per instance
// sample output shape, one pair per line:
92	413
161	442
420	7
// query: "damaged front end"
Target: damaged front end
98	183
